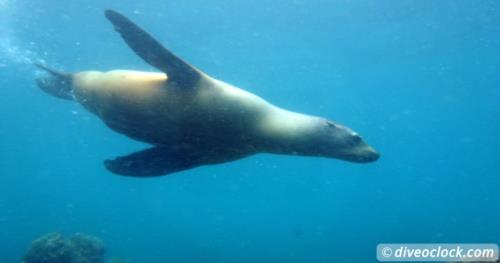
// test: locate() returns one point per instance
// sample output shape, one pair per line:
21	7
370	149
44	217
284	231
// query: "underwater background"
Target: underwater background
420	80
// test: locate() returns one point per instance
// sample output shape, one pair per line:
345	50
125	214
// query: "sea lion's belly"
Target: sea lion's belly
143	107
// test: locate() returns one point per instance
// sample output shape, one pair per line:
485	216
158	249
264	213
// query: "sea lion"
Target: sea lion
190	118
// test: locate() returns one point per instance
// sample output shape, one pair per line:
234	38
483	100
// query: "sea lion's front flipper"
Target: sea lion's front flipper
149	49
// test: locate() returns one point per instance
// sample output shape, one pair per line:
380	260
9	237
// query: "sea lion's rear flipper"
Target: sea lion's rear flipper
149	49
57	83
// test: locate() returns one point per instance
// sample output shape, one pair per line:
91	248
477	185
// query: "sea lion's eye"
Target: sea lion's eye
356	138
330	124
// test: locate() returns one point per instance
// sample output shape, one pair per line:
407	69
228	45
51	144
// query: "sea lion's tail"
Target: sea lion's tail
56	83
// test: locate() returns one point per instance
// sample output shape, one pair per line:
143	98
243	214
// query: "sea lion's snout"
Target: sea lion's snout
337	141
366	155
357	152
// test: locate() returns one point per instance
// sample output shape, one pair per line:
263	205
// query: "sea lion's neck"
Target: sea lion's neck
286	131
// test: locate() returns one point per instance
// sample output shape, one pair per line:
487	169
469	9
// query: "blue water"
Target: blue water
418	79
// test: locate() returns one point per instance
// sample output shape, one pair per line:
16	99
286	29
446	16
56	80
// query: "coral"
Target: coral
54	248
88	249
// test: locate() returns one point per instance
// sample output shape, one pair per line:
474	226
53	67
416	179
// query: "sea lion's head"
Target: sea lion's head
337	141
